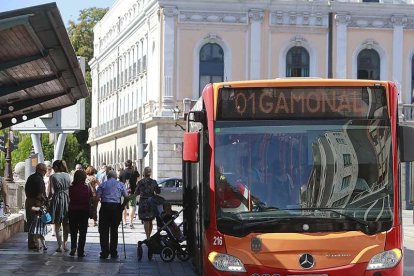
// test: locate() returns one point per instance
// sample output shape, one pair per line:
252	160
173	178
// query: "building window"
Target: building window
345	182
412	79
297	62
347	160
368	65
211	65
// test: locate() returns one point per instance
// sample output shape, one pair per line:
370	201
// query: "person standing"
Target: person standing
110	193
146	189
92	182
34	186
38	228
4	196
129	177
60	183
79	195
101	174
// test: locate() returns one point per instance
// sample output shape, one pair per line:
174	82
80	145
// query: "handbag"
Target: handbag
46	217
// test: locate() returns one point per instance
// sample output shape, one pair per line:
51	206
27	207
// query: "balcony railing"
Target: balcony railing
125	120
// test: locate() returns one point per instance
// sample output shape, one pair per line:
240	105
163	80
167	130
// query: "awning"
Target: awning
39	71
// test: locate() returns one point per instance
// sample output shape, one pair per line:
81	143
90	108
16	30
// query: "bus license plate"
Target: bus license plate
307	275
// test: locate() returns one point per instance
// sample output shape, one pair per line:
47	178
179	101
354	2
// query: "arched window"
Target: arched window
297	62
368	65
211	64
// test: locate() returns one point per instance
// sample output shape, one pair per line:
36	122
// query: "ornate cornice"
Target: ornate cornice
213	17
342	19
399	20
256	15
294	18
170	11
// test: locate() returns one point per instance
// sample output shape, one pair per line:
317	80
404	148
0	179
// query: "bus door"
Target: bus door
197	199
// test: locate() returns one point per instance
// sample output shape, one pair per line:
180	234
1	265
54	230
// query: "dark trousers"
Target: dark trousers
30	216
109	218
78	222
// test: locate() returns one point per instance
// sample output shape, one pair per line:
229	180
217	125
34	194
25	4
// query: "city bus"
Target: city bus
290	177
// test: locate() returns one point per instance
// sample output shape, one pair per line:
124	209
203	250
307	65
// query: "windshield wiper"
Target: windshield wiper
249	225
364	224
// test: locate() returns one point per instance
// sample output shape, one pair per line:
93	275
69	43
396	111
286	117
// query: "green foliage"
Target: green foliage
81	37
72	152
23	149
47	146
81	32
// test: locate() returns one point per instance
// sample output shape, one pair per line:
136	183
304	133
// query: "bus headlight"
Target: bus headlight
385	259
224	262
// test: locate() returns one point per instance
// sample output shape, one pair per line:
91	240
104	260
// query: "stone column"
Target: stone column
256	19
169	13
342	21
397	57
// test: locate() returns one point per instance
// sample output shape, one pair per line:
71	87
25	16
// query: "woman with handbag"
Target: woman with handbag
146	189
80	197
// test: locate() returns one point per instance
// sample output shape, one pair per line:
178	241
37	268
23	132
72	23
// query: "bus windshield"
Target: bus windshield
334	173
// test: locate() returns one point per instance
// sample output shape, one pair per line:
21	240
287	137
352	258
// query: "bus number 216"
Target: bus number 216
217	240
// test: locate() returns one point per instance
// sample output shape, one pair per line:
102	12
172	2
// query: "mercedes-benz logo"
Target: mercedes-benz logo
306	261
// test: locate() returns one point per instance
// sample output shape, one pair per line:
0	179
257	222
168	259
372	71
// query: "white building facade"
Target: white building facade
151	56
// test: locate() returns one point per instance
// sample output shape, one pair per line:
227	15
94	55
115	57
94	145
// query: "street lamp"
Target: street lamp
176	116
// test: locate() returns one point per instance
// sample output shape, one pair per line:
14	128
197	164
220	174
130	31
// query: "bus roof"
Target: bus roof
300	82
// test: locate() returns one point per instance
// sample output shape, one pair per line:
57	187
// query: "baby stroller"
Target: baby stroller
167	241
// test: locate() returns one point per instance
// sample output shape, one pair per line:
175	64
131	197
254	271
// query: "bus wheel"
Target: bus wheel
182	253
167	254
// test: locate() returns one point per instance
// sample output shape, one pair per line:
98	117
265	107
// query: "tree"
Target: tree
81	37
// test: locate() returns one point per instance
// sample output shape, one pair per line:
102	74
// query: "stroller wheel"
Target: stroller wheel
167	254
182	253
139	251
149	253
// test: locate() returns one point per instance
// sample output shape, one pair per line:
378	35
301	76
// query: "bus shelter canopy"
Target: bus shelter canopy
39	71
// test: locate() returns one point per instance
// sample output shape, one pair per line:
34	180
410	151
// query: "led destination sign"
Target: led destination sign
301	102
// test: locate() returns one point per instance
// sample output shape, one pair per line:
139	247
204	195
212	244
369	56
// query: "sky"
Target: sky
69	9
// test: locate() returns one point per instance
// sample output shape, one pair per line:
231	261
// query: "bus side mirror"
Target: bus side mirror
405	143
191	146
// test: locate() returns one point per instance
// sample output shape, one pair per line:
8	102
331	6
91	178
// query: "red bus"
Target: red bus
293	177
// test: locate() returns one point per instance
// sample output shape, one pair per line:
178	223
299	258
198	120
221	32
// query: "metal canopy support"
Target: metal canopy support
23	60
59	146
11	89
31	102
37	145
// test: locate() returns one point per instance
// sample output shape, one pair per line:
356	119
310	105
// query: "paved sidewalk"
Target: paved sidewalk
408	232
15	259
